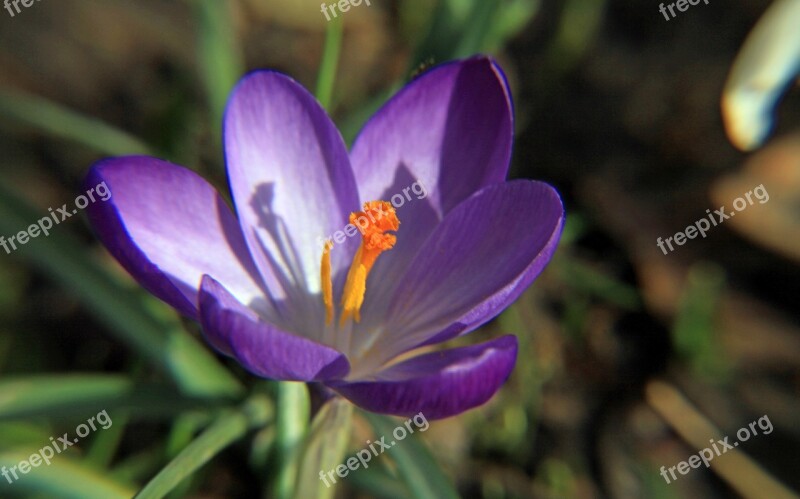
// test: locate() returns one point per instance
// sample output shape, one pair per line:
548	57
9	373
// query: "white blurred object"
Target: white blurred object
766	65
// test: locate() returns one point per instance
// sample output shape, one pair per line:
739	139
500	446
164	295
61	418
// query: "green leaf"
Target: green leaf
139	466
330	61
584	278
81	396
324	448
415	463
579	24
183	431
292	423
261	448
219	54
229	427
559	478
475	32
128	314
184	428
694	332
378	483
461	28
575	226
22	433
509	20
62	478
104	445
60	121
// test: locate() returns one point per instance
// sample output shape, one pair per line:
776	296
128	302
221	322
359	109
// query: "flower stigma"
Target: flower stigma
377	218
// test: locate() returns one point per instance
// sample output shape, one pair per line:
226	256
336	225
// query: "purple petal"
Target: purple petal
292	186
439	384
480	259
261	348
451	129
167	227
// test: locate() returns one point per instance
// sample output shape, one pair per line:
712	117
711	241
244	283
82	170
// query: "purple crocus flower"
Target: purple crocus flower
286	306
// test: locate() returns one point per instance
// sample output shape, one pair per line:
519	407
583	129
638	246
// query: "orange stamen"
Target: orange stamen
327	282
377	218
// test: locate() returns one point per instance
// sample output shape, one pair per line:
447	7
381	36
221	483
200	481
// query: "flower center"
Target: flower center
377	218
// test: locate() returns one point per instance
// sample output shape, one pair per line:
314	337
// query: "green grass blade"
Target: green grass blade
330	61
694	332
415	463
293	406
138	467
125	312
377	482
578	26
81	396
22	433
229	427
463	28
474	35
184	428
510	19
324	448
59	121
62	479
582	277
105	443
219	54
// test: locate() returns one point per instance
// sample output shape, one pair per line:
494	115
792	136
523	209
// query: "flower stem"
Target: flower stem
292	423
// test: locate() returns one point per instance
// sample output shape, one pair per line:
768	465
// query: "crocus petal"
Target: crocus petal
167	227
767	64
261	348
438	384
451	129
485	253
292	187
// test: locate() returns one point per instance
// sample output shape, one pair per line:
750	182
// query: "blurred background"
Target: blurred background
629	360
